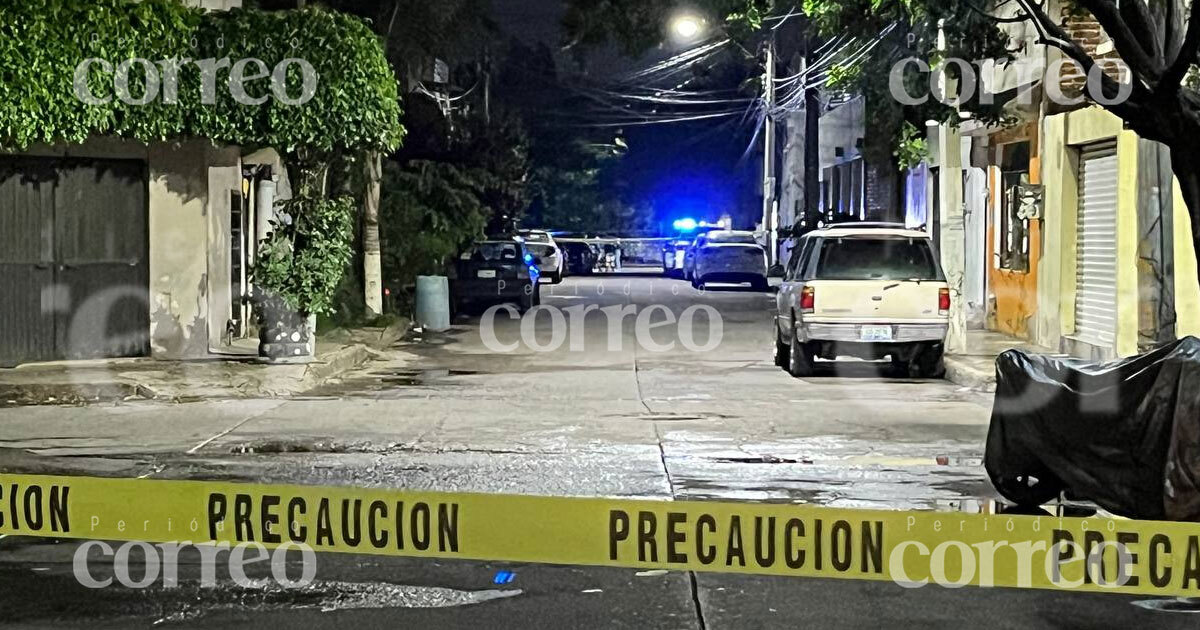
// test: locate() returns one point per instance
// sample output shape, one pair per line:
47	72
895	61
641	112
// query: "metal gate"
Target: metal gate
1096	247
73	259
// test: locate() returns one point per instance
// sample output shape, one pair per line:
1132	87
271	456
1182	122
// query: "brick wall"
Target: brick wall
1083	28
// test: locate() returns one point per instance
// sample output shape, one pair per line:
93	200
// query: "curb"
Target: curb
329	365
961	372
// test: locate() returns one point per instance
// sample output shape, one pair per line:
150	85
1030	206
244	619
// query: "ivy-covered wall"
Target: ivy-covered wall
355	105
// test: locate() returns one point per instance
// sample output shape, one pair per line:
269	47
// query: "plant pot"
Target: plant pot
284	336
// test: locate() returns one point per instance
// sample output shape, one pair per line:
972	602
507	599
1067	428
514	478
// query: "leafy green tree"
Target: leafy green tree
354	105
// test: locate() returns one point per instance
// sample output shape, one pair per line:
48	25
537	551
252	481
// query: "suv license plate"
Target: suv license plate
875	333
491	273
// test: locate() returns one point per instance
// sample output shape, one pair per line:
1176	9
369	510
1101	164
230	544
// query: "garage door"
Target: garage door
1096	242
73	263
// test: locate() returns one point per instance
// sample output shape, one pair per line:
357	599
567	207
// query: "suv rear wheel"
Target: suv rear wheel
782	349
929	362
800	359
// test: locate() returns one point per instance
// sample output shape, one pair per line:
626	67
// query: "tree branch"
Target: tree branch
1172	79
1128	43
1016	19
1138	16
1051	34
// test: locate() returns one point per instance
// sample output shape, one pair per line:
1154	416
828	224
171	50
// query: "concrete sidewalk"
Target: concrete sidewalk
225	376
976	367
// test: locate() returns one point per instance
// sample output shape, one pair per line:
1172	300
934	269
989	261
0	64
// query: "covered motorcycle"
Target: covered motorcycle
1123	434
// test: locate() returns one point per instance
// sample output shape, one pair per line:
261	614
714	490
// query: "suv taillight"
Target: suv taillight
808	298
943	301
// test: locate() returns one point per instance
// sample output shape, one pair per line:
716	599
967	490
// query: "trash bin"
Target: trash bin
433	303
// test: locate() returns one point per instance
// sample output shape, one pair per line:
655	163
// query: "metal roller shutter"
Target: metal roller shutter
1096	247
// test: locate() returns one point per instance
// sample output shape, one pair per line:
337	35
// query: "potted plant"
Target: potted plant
297	271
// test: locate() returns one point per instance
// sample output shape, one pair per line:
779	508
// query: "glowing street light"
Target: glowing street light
687	27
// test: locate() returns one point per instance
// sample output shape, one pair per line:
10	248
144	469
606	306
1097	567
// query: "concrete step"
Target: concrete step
975	372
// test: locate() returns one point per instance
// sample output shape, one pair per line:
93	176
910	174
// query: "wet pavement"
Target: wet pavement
610	412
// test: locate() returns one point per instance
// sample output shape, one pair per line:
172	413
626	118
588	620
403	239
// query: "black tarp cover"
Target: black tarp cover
1124	434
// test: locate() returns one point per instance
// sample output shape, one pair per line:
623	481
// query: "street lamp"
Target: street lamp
687	27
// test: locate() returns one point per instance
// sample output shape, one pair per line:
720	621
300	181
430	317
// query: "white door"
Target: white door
975	217
1096	247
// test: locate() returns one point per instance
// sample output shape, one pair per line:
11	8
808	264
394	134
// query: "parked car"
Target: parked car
496	271
728	256
546	254
689	256
865	290
579	256
673	253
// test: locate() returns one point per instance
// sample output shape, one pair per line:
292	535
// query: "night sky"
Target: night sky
700	170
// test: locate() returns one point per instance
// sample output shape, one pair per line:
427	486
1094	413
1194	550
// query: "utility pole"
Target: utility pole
812	138
770	229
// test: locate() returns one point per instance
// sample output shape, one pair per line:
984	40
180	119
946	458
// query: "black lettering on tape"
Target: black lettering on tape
647	526
734	547
618	530
1125	574
216	512
33	507
706	554
60	519
840	540
419	526
1191	568
1061	541
377	512
764	542
793	530
872	547
269	520
675	537
324	527
1159	542
243	530
1094	561
296	510
448	527
352	530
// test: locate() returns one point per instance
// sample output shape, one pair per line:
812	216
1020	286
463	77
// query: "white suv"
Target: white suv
866	290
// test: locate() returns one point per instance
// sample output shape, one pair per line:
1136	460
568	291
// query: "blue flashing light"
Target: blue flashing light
686	225
504	577
528	259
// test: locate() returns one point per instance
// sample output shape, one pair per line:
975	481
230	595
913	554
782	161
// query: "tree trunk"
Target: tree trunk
1186	164
372	267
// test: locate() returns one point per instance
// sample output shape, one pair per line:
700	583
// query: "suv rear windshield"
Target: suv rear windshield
493	252
876	258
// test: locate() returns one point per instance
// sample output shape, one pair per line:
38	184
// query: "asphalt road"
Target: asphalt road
595	407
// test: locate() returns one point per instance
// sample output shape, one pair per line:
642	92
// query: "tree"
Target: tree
1158	40
413	33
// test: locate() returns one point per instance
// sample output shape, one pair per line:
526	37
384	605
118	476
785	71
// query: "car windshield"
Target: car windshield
540	250
732	237
876	258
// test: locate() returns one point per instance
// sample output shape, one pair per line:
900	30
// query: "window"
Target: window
876	258
1012	233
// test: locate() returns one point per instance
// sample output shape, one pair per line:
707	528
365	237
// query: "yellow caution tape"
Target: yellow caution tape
911	548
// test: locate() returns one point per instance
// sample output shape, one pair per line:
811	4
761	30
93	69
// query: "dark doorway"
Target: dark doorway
73	259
